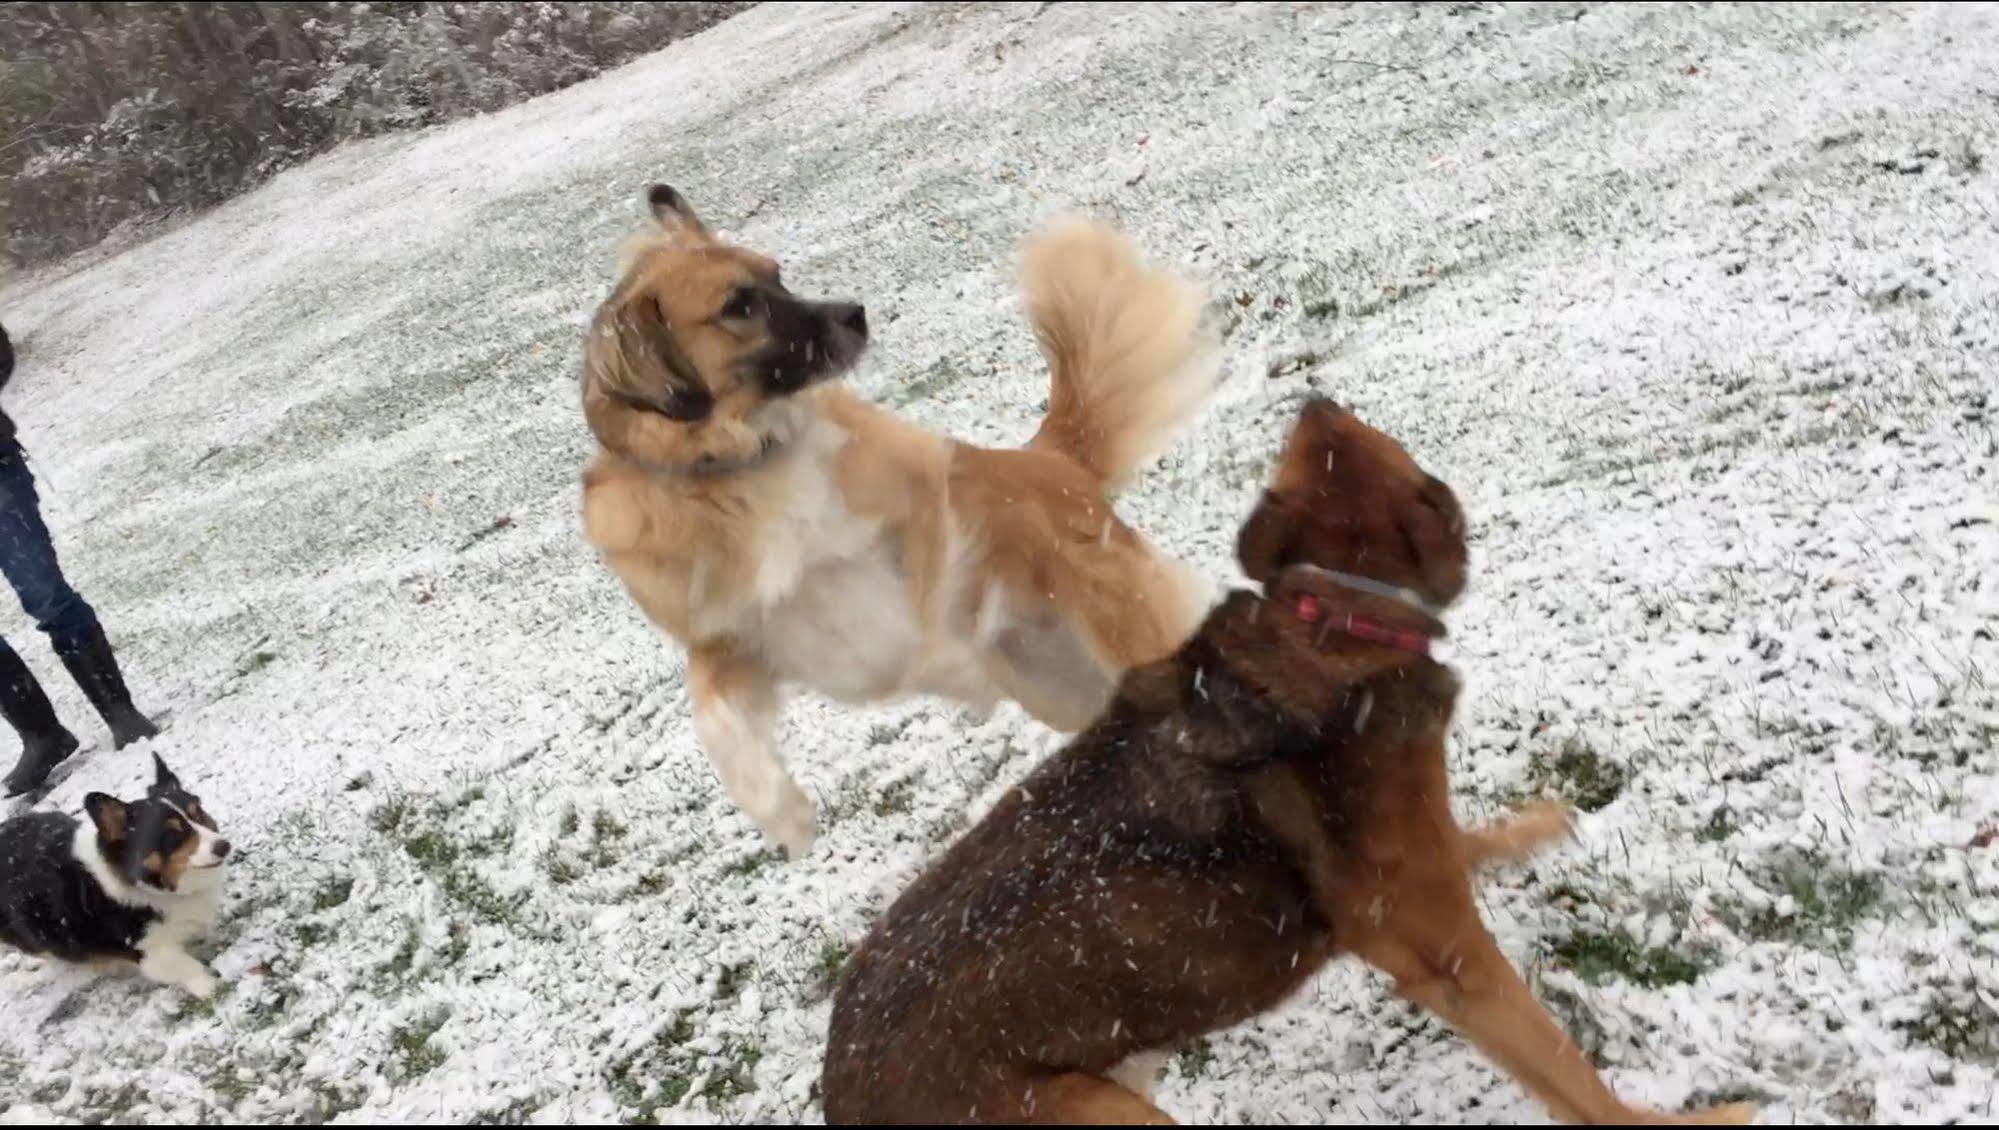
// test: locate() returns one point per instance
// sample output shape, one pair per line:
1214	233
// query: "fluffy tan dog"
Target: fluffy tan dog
786	531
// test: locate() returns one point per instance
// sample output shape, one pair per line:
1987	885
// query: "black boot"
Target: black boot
44	742
96	671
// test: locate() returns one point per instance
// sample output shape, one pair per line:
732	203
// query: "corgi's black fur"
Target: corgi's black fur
133	882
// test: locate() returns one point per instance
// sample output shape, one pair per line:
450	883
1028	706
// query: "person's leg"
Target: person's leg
28	558
44	741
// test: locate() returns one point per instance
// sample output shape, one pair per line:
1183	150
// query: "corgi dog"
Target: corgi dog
130	884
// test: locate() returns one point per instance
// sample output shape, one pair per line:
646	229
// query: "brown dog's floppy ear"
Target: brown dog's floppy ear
632	357
1266	537
109	814
673	212
1434	526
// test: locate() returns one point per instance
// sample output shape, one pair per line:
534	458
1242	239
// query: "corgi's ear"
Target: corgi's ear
110	816
163	777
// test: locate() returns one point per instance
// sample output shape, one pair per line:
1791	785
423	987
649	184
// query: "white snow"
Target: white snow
1696	308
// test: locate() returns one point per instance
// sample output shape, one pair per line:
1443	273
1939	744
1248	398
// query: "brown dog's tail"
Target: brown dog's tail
1128	356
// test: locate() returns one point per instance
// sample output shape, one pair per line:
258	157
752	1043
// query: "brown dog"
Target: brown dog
788	532
1269	797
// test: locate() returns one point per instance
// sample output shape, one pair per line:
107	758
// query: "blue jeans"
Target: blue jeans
28	558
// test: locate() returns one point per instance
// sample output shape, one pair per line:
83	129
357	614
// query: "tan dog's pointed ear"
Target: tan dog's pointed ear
1266	537
674	213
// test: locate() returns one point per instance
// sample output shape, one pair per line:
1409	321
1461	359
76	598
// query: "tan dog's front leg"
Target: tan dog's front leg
1514	838
735	712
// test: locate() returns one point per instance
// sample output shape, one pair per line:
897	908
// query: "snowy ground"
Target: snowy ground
1697	309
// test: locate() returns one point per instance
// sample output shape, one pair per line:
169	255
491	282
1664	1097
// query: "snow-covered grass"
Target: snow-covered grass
1698	308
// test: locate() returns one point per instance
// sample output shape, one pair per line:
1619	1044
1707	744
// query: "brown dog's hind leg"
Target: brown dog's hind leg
1077	1099
1514	838
1471	985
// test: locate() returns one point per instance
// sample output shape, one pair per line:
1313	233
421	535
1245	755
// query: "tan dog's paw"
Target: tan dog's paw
1529	829
793	824
1544	822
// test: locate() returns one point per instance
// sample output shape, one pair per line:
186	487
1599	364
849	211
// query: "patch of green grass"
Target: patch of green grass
1960	1025
655	1077
202	1007
673	1088
833	954
412	1051
391	815
478	896
229	1085
896	799
561	869
333	894
570	822
497	842
731	981
1967	158
1578	773
51	1091
735	1075
457	945
677	1033
754	862
607	832
1597	957
1318	292
630	1092
513	1114
1195	1059
1817	904
110	1104
1718	827
432	850
441	857
945	826
1728	1093
405	955
1853	1106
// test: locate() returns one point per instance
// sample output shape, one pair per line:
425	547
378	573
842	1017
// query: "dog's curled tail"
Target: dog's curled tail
1129	357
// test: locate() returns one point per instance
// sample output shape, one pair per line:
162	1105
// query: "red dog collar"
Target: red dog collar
1310	611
